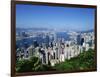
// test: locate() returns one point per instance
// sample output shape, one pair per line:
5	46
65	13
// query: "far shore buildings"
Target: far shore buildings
59	49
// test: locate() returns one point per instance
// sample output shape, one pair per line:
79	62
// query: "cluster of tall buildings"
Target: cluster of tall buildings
59	49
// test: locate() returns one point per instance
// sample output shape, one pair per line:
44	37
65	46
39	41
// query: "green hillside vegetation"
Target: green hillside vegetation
85	60
31	65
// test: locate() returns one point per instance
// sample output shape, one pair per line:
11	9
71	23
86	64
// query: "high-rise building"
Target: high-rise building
79	39
46	40
82	41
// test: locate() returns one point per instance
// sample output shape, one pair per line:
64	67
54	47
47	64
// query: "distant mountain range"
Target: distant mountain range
46	29
91	30
33	29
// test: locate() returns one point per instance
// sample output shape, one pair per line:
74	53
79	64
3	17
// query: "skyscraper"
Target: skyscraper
79	39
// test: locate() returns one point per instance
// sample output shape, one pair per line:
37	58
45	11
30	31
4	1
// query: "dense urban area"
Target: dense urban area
41	49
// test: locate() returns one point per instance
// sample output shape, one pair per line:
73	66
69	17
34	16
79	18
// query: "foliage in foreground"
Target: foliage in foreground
84	61
31	65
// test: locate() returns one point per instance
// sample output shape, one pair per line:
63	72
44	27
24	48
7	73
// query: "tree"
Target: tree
23	66
35	62
31	65
85	60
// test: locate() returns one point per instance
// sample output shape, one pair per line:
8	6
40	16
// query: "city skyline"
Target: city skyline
39	16
53	38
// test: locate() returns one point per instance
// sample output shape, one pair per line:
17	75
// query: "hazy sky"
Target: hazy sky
28	16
